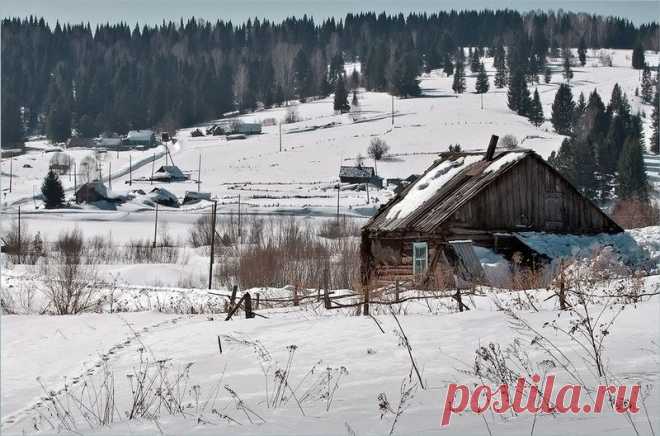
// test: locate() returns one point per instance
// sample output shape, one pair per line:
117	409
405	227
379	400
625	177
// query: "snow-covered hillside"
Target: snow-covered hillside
301	178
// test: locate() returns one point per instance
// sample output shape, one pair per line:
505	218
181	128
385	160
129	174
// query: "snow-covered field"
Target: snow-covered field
350	352
337	364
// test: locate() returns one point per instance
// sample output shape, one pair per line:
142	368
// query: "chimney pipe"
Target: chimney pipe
490	153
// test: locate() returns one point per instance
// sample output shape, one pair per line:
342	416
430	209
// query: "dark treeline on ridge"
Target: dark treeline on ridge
113	78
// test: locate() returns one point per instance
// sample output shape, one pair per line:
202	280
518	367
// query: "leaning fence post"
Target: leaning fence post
256	305
296	301
248	305
365	310
326	298
232	299
396	291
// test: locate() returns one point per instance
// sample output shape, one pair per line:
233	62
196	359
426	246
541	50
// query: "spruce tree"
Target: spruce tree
517	92
582	52
341	95
638	60
499	62
448	66
536	116
647	85
482	85
458	84
564	160
655	126
631	175
52	191
616	100
562	110
568	72
474	62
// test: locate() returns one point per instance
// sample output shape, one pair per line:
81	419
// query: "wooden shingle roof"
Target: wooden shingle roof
445	187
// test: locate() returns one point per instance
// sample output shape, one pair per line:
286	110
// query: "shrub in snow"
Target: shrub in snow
509	141
291	115
377	149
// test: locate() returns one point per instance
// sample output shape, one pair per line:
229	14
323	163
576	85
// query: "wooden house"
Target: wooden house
169	173
473	199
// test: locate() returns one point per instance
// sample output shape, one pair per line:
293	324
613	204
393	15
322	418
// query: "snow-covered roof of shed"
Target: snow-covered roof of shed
172	171
358	171
140	134
448	183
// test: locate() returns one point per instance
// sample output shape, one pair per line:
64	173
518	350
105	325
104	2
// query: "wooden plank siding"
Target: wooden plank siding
530	197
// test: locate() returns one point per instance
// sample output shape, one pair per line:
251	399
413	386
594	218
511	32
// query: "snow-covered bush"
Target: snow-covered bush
377	149
509	141
71	284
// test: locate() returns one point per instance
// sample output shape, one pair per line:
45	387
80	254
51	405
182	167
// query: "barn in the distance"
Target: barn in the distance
468	199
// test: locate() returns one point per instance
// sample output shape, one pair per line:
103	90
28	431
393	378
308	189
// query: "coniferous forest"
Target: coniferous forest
114	77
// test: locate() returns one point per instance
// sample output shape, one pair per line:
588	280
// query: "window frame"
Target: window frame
417	245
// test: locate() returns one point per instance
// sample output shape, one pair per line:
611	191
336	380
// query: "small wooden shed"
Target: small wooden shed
359	174
468	199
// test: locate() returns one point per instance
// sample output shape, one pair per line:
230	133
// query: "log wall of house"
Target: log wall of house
530	197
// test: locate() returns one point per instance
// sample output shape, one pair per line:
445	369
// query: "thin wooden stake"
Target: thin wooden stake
215	205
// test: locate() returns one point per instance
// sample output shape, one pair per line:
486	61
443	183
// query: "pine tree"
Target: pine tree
515	91
52	191
536	116
499	62
474	62
582	52
448	66
655	125
564	160
341	95
647	85
631	175
638	60
355	103
586	168
616	100
482	84
459	75
302	75
562	110
568	72
581	105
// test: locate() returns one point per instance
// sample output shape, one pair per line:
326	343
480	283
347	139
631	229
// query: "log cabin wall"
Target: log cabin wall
530	197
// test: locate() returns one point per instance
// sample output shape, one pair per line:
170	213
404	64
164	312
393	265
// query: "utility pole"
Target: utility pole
11	172
110	175
199	172
156	226
280	124
215	206
166	153
366	185
20	248
75	177
130	170
392	110
153	163
482	101
240	235
338	186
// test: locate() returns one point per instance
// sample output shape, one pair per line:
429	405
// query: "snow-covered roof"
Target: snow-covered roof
140	135
574	246
358	171
169	172
449	183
